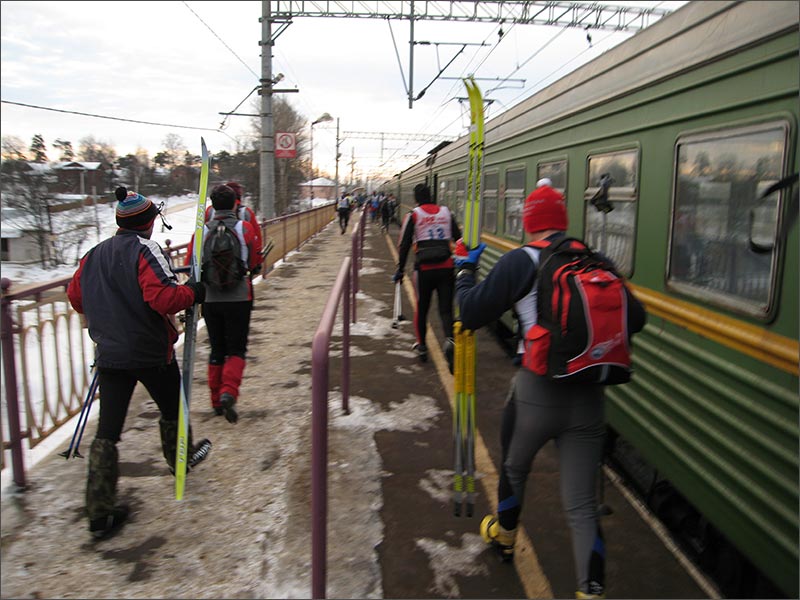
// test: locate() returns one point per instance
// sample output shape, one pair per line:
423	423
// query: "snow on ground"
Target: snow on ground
179	212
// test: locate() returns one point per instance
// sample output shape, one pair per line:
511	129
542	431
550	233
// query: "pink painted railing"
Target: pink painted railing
44	385
344	288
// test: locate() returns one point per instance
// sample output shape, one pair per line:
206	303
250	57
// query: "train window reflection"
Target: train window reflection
514	200
556	172
610	206
491	182
458	209
718	209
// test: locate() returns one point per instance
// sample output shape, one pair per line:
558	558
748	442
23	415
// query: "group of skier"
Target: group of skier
129	293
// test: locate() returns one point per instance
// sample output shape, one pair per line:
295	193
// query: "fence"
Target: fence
344	288
47	354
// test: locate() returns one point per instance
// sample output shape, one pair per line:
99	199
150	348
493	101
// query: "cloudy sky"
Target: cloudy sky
172	67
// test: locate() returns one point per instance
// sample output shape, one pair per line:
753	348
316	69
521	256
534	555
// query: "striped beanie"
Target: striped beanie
134	211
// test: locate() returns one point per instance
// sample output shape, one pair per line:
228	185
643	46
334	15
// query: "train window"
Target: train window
458	208
491	181
610	197
720	218
556	172
514	200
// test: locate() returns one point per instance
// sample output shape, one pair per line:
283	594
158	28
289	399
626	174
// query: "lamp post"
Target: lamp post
323	119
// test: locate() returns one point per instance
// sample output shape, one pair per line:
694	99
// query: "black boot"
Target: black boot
169	441
228	401
105	517
169	445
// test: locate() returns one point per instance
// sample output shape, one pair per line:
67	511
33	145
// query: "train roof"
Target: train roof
696	33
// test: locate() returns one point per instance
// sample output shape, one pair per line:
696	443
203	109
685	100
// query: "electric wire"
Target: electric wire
222	41
83	114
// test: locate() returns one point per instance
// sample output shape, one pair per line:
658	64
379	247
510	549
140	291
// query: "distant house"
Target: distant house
78	177
320	187
18	243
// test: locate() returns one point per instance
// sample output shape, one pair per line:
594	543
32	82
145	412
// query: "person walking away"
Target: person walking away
374	203
343	206
539	409
243	212
231	249
430	230
128	294
386	210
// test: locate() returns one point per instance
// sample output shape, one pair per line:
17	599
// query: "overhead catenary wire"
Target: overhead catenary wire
221	41
84	114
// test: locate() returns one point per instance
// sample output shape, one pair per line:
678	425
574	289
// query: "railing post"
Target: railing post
354	277
12	399
298	232
320	348
348	284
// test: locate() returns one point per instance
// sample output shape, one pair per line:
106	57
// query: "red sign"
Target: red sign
285	145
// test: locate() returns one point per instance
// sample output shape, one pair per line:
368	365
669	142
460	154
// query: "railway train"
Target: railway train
688	132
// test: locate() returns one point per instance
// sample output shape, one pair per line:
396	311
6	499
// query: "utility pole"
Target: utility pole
266	197
337	160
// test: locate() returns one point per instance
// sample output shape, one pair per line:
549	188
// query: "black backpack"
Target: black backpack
222	266
581	334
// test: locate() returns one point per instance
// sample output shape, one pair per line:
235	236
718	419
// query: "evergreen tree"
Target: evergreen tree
65	146
38	149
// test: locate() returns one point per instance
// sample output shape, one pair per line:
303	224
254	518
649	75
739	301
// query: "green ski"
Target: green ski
464	424
190	335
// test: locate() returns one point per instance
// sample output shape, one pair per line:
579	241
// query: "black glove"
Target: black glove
398	277
199	290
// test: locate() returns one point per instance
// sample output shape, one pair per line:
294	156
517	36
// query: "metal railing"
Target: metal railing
344	289
47	353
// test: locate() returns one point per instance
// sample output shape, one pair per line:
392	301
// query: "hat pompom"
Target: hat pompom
121	193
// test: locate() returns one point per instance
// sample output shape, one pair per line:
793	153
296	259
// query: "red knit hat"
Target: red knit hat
237	189
545	208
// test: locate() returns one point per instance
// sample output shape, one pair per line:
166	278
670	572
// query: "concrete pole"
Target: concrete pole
411	57
311	160
266	200
336	198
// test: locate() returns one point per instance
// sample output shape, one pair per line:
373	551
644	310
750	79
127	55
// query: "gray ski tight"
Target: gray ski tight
573	415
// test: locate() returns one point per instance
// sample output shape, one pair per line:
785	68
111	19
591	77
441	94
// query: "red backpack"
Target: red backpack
581	334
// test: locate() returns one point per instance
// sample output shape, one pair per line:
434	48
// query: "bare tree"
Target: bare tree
13	148
289	172
93	150
174	149
25	192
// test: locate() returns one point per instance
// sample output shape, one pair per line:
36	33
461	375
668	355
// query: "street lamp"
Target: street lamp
323	119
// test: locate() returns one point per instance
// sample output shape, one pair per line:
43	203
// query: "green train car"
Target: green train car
695	120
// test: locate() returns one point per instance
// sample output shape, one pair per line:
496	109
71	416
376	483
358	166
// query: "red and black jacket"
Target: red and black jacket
126	288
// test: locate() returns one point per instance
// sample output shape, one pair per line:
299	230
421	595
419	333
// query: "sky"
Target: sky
177	65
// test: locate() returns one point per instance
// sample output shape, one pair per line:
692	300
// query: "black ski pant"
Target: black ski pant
116	389
442	282
344	218
228	325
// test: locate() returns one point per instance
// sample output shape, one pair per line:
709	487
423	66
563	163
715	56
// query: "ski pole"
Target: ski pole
90	399
84	412
397	313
